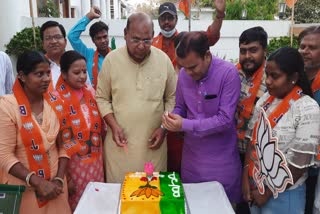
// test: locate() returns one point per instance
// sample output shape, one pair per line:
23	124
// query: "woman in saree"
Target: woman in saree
30	154
285	136
86	163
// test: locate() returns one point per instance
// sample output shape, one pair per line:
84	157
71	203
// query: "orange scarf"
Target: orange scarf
273	118
95	68
316	83
30	133
88	139
246	106
158	43
316	87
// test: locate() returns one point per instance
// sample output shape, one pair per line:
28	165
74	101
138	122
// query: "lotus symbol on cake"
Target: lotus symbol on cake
271	167
147	189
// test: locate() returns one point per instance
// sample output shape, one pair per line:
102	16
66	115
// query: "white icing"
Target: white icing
175	188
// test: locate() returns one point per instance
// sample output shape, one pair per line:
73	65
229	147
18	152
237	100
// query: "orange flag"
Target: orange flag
290	3
184	7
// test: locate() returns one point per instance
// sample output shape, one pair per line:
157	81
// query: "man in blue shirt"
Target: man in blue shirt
99	35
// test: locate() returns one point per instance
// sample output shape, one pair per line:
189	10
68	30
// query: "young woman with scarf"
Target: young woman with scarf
86	163
30	153
285	132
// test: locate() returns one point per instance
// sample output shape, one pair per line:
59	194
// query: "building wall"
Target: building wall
227	46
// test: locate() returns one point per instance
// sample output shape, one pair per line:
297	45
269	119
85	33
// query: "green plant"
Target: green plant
283	41
233	10
305	11
23	41
204	3
256	9
50	9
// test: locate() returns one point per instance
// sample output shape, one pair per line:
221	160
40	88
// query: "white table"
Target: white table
208	197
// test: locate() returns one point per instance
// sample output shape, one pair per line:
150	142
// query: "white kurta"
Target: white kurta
137	95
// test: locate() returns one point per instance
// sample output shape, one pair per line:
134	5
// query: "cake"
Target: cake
155	193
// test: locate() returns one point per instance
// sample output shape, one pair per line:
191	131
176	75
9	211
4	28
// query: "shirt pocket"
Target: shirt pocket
153	88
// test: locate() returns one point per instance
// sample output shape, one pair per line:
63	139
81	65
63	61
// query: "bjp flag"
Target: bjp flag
184	7
290	3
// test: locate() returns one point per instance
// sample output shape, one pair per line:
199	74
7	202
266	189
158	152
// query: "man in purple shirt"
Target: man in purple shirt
207	94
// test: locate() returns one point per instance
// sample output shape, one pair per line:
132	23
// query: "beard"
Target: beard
250	71
311	67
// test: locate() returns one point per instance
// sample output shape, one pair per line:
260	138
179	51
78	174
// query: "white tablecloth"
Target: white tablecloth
203	198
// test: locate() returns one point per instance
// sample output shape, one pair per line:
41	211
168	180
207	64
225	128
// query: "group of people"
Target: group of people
254	127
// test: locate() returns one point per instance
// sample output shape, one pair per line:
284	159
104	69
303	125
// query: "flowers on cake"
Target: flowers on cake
147	189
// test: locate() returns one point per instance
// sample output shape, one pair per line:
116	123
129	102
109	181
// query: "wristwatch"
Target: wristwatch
164	129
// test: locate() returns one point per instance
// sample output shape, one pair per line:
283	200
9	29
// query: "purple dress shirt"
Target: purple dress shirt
210	144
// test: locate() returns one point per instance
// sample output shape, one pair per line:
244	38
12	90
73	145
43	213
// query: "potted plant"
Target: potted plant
23	41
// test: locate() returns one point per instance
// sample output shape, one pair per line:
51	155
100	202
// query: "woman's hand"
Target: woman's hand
71	187
246	186
48	190
259	199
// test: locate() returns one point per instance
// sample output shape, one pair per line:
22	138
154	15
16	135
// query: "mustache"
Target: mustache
248	61
54	46
309	67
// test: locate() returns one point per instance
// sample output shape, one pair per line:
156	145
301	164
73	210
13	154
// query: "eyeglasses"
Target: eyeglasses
144	41
55	37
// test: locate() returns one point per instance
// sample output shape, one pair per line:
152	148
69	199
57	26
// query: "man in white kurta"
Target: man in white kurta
135	87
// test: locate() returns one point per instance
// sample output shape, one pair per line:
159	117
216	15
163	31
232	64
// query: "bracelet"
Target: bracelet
247	165
29	177
59	179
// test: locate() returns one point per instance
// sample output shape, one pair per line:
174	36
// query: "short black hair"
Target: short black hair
196	41
290	61
49	24
97	27
28	61
68	58
255	34
307	31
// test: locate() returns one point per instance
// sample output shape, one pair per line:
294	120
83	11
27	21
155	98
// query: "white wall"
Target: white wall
13	19
227	47
10	16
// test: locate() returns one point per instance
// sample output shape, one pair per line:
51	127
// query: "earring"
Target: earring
293	82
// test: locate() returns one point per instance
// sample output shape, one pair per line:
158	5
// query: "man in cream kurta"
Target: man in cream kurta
136	86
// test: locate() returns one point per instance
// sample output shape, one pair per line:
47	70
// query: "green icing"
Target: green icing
172	202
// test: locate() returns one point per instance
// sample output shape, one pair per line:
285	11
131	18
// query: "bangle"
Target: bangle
221	16
29	177
59	179
247	165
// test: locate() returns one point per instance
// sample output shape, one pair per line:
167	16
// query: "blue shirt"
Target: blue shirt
78	45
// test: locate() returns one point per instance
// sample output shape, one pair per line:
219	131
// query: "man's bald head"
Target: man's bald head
139	17
138	35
